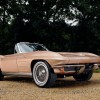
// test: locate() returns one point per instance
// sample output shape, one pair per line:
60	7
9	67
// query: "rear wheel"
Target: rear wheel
43	75
84	76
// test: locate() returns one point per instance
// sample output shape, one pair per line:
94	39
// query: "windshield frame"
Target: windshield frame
23	47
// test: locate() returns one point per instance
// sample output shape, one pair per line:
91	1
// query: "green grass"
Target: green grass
97	71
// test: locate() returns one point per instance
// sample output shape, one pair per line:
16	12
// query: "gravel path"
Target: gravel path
66	89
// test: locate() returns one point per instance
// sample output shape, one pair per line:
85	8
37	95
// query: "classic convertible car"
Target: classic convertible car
44	66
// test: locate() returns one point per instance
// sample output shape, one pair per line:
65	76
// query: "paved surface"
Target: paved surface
66	89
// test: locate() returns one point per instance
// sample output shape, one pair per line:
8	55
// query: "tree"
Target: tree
88	31
44	21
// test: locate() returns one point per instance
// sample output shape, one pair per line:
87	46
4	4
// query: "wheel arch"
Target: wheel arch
37	60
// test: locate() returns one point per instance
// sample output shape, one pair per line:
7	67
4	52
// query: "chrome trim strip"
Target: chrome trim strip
21	74
73	65
19	48
62	66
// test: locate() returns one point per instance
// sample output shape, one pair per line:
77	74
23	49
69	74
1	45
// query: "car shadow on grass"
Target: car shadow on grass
70	83
61	83
19	79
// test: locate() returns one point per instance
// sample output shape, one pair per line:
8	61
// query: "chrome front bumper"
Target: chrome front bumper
71	69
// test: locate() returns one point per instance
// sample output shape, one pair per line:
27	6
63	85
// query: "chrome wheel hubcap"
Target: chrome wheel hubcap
41	73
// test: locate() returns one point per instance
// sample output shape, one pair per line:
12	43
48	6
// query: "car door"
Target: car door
23	63
9	63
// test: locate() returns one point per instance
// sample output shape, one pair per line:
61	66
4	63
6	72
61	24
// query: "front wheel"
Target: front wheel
43	75
83	76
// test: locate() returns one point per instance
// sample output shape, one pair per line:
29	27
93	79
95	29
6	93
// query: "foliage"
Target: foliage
44	21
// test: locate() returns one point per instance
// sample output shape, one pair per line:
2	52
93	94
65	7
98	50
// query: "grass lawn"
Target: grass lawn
97	71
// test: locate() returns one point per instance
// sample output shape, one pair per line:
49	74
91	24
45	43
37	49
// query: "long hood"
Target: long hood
60	54
80	57
77	54
66	57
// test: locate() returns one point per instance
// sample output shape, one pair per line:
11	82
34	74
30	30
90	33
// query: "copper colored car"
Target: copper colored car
44	66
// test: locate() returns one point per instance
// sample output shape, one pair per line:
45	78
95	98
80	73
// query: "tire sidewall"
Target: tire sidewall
46	66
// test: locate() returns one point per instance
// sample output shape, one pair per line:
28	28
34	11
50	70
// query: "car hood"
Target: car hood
67	57
77	54
80	57
62	54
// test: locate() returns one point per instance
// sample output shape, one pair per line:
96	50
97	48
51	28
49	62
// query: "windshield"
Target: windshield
29	47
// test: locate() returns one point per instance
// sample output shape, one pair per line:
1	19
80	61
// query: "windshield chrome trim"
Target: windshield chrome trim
19	44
